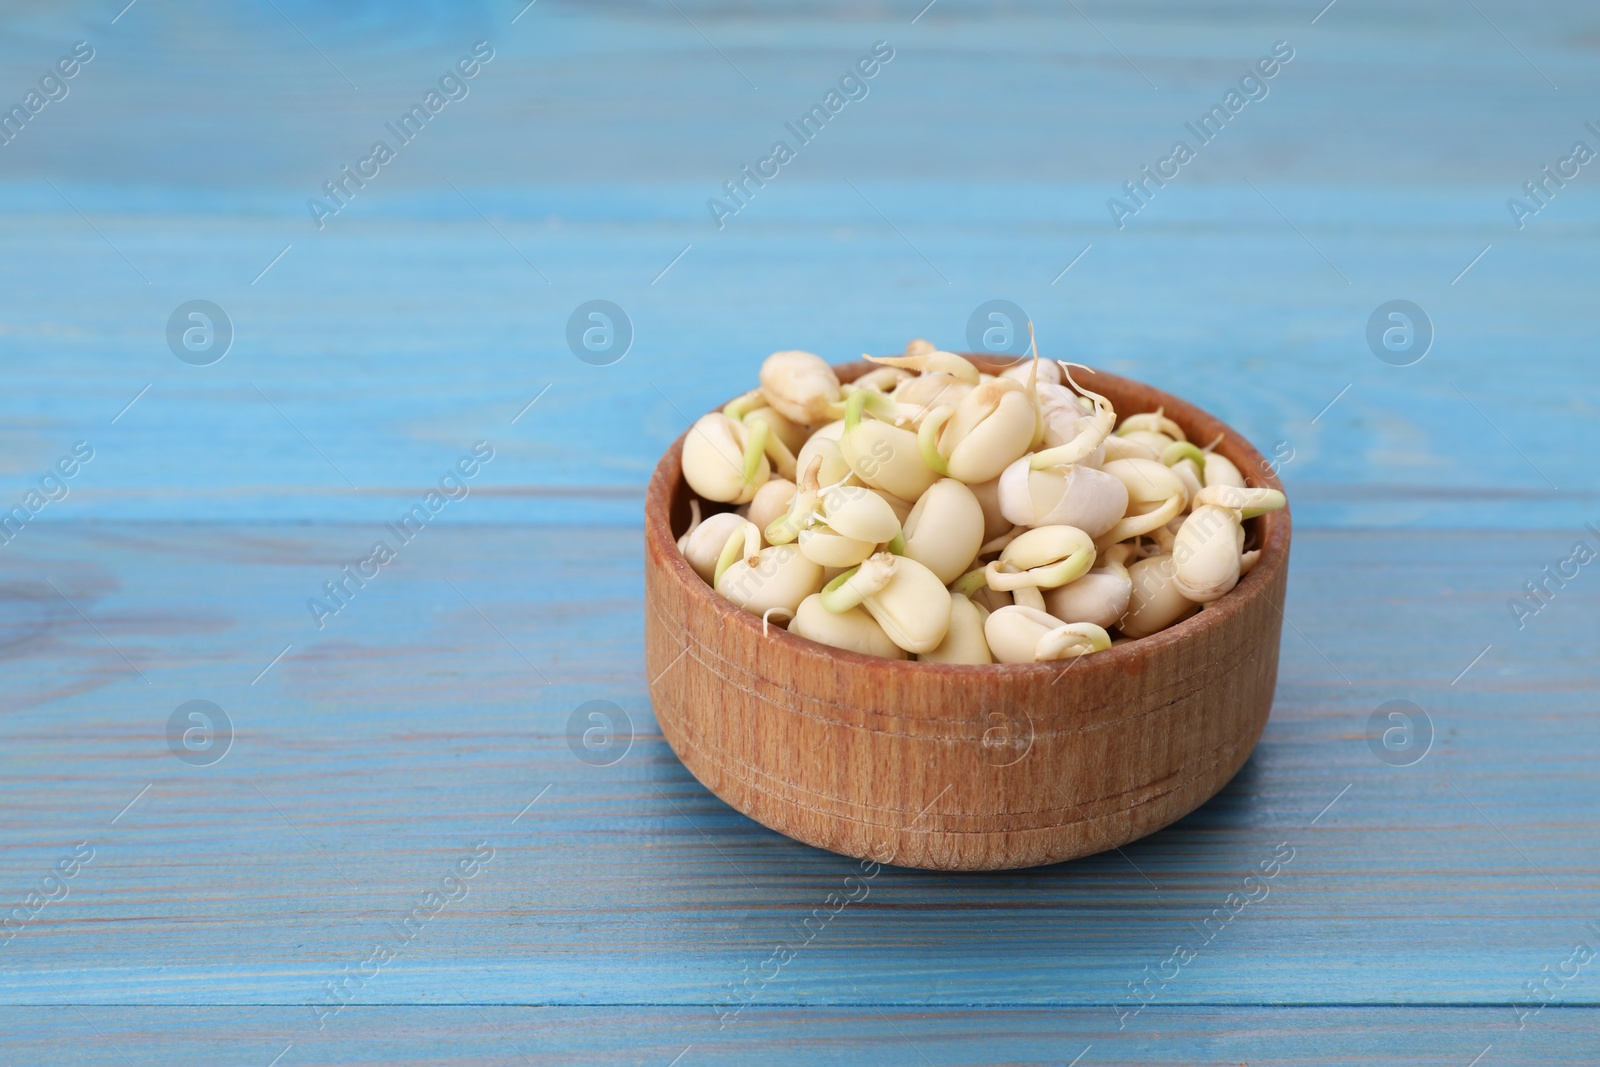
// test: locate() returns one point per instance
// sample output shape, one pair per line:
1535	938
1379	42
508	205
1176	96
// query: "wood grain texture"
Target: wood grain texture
626	905
459	1034
952	767
381	748
410	327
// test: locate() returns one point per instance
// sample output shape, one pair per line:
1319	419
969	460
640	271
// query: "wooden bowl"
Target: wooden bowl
958	767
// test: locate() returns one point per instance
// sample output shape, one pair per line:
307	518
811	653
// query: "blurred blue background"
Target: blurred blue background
977	167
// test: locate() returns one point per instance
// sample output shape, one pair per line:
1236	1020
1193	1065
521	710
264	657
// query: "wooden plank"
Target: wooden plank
454	1033
274	430
373	755
380	347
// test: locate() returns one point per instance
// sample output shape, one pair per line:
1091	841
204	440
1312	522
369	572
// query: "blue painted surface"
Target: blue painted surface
618	915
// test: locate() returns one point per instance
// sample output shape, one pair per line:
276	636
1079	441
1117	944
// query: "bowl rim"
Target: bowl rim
1273	529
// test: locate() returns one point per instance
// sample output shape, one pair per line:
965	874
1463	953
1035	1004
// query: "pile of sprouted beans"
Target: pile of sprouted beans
932	510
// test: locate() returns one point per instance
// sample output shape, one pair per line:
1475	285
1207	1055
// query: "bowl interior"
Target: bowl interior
667	516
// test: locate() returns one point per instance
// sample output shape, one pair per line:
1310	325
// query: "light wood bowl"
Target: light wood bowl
953	767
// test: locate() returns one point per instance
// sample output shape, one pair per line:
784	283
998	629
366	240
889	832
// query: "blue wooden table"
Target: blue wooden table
378	838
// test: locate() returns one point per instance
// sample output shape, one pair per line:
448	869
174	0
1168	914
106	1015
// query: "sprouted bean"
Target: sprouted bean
934	511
